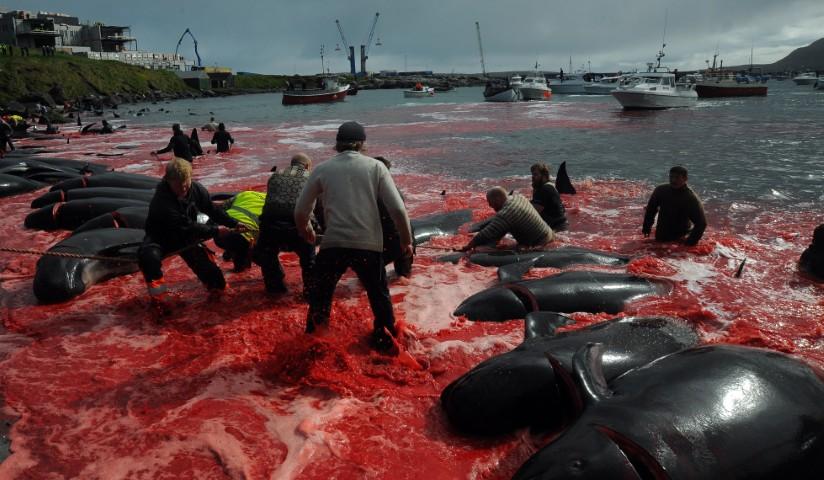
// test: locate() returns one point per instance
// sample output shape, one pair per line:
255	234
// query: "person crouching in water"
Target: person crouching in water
812	259
546	200
392	252
278	231
245	207
513	214
172	227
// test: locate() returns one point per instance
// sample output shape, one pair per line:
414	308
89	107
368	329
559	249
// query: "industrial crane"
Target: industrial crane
364	49
350	51
194	40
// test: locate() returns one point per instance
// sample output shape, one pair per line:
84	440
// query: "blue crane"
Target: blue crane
194	40
350	51
364	49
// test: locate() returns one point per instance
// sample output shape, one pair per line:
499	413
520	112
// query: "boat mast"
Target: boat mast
481	48
663	42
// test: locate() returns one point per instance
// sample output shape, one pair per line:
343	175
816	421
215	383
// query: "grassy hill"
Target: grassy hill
810	57
79	76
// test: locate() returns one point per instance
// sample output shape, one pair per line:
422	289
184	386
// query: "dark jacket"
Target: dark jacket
180	144
553	212
677	210
172	222
222	138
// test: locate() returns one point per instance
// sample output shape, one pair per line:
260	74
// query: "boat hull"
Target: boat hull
804	81
715	90
428	92
531	93
596	89
567	88
310	96
650	101
819	85
508	95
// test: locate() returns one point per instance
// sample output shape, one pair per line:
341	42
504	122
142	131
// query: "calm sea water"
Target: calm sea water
762	149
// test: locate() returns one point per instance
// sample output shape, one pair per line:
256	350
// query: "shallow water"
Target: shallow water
232	388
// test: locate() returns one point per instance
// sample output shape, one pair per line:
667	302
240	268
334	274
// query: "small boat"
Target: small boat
819	84
419	91
807	78
604	86
500	92
534	87
330	91
654	90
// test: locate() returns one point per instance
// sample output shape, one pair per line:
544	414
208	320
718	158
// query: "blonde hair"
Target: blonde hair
178	170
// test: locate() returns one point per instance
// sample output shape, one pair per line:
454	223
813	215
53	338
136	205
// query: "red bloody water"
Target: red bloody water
233	388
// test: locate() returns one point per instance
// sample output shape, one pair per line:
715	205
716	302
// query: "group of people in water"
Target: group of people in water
188	146
351	207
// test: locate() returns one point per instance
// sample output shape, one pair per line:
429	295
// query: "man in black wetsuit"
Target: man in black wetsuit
179	143
546	200
5	138
812	259
680	212
222	138
172	227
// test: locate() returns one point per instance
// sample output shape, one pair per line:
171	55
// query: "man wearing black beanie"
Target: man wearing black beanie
349	186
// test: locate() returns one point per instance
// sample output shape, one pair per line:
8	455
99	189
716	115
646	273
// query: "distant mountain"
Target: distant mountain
810	57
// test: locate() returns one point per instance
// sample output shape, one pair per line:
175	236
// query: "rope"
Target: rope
67	255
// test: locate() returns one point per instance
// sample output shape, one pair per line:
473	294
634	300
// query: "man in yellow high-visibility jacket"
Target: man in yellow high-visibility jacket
245	207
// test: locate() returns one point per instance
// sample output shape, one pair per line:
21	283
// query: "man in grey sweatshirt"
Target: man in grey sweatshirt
349	186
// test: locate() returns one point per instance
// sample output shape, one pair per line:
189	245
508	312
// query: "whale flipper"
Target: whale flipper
543	324
515	271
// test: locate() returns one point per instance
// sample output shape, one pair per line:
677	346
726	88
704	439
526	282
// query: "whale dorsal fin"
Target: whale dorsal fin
645	465
588	370
567	389
515	271
562	182
543	324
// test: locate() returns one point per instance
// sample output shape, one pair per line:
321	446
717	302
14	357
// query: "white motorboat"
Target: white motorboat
604	86
534	87
419	91
807	78
568	84
654	90
515	81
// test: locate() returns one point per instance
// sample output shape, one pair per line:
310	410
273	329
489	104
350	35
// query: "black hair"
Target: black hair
678	170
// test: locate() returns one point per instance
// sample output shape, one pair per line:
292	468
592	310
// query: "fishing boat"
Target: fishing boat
718	83
330	91
419	91
654	89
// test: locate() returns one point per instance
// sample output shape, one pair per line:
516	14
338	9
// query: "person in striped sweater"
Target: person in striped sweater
515	215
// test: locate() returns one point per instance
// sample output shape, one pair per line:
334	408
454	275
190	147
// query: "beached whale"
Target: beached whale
126	217
519	388
48	198
718	411
58	279
513	265
110	179
565	292
13	185
64	164
425	228
72	214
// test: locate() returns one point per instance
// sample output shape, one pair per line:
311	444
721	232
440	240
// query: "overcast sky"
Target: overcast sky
284	37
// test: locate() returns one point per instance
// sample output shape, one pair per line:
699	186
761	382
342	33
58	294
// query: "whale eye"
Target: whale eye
577	465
